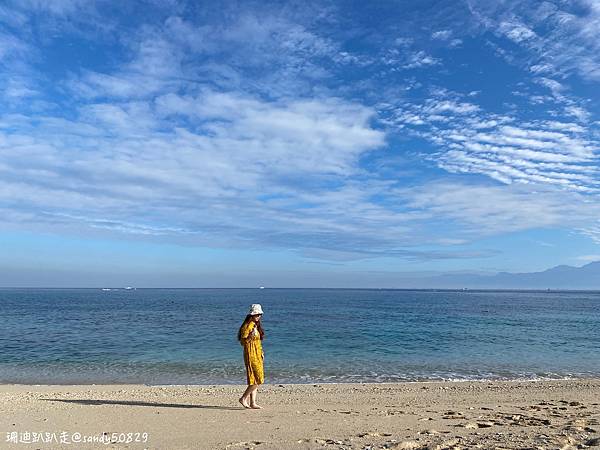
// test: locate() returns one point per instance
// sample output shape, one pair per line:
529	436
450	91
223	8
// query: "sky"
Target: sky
301	144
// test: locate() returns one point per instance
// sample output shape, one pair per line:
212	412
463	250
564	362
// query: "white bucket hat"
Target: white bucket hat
255	309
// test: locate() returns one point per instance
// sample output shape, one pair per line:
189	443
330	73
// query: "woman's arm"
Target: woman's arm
248	332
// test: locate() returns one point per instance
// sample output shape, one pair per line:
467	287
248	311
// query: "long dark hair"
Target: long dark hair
258	325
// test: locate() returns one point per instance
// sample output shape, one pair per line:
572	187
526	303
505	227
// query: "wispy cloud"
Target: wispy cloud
420	59
298	129
500	209
404	56
568	44
442	35
247	155
503	148
588	258
11	47
447	36
593	232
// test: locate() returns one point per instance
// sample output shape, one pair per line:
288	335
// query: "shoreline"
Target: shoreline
310	383
408	415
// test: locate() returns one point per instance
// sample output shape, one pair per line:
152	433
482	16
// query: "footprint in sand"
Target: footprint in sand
250	444
373	434
453	415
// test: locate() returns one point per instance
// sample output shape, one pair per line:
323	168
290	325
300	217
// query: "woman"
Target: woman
250	336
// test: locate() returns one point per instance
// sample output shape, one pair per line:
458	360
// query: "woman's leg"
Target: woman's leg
246	396
253	403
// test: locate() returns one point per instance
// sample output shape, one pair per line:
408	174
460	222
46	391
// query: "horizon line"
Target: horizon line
465	289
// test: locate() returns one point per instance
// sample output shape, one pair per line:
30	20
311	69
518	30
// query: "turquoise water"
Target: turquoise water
188	336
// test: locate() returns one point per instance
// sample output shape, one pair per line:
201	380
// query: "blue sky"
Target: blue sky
173	143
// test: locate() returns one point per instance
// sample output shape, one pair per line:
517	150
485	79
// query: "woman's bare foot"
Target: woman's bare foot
255	406
244	404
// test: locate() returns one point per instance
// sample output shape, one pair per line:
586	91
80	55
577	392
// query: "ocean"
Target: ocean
189	336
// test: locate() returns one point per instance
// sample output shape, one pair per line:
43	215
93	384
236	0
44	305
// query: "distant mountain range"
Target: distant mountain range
559	277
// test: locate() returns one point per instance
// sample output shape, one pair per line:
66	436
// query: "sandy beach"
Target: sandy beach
492	415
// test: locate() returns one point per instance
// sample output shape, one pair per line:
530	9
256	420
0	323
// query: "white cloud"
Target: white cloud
12	17
11	47
155	68
55	7
447	36
420	59
434	110
554	86
230	134
18	88
449	106
517	154
540	68
568	44
473	142
489	210
592	231
578	112
442	35
217	168
313	135
516	31
404	41
283	57
587	258
571	107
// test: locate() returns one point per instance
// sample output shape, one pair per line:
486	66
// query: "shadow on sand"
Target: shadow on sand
134	403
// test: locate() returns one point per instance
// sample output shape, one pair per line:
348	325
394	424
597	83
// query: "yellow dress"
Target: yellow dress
253	354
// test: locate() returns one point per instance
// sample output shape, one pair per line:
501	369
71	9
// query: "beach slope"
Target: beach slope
541	415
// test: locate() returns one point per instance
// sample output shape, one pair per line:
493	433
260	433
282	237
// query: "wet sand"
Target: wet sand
490	415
